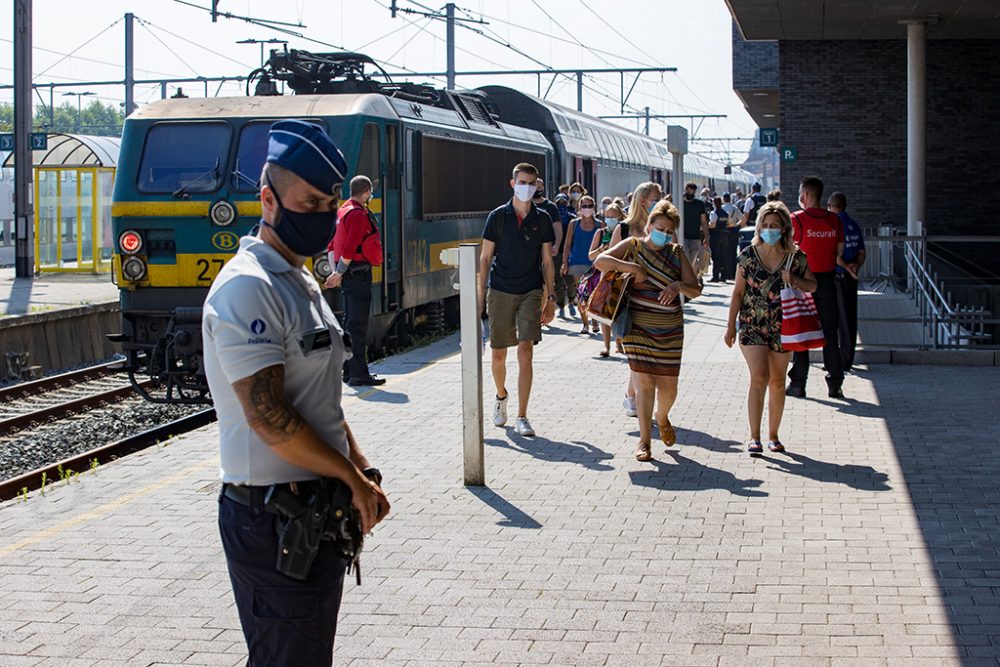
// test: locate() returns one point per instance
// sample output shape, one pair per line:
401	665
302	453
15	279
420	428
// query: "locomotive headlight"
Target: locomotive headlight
222	213
321	267
134	268
130	242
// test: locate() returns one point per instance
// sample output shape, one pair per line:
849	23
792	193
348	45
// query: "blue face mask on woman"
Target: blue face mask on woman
659	238
770	236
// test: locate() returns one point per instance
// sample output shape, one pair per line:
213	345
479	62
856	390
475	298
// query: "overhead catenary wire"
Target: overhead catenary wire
175	54
85	59
70	54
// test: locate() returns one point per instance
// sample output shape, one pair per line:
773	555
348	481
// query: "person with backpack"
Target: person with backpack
356	248
751	205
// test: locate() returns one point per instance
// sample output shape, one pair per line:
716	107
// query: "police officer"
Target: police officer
273	357
357	247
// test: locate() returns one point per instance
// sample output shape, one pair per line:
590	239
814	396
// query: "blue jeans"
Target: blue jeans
285	621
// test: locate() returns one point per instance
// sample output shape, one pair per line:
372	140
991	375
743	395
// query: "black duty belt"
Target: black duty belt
358	267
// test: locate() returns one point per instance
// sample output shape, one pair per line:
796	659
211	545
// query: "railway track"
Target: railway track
80	463
55	382
65	422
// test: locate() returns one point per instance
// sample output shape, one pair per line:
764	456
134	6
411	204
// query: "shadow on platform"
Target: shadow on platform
689	475
382	396
947	443
691	438
863	478
514	517
543	449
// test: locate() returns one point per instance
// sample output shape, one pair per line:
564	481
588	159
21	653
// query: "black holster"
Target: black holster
321	510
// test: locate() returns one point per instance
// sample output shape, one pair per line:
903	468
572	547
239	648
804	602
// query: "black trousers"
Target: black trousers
827	306
285	621
565	285
357	289
848	293
723	254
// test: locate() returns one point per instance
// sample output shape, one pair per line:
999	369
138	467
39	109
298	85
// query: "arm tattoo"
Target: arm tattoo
264	403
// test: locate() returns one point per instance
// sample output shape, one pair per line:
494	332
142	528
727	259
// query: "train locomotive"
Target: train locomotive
440	160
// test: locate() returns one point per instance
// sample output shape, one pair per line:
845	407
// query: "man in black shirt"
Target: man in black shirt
544	203
695	226
517	260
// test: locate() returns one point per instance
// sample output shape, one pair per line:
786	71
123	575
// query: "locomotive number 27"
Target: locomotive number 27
209	269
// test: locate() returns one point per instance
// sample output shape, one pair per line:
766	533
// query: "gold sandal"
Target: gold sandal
644	452
667	434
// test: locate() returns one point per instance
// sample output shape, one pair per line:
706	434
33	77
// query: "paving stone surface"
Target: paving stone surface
874	541
53	291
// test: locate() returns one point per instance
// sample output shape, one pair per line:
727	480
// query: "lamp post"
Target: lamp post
262	42
79	105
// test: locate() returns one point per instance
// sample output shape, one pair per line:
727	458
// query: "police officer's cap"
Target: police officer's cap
755	186
562	197
306	150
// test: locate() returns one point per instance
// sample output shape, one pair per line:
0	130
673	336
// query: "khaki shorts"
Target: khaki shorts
514	318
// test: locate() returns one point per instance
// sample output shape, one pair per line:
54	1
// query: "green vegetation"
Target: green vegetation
95	118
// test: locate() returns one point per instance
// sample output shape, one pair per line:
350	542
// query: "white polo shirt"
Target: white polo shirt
261	311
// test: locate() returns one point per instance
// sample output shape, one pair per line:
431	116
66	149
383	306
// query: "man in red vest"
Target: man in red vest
820	235
357	247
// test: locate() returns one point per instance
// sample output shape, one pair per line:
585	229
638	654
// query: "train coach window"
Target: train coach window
184	157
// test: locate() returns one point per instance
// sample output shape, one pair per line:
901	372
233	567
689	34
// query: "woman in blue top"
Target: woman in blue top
576	249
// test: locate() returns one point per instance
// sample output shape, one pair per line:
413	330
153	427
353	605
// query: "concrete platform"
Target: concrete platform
874	541
53	291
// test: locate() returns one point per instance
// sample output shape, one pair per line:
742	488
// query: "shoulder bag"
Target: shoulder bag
800	325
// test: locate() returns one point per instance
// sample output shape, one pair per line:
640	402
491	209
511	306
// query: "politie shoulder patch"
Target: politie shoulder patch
257	328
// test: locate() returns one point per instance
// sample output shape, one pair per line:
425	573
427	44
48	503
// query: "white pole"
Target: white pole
472	366
916	112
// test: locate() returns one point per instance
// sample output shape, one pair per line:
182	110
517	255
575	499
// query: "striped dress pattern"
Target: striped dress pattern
654	342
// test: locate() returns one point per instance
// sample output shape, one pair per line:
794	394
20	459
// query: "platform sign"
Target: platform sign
6	142
789	154
768	137
39	141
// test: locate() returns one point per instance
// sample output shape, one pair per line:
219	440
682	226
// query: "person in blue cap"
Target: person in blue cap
273	358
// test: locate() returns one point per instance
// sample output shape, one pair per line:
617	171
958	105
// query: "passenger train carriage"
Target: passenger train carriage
187	189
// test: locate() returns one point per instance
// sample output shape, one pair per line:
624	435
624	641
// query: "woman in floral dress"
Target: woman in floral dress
762	270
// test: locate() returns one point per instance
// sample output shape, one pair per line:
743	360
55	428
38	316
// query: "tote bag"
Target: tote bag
586	285
609	297
800	326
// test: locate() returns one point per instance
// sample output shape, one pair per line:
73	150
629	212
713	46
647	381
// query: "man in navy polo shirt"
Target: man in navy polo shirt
847	277
517	248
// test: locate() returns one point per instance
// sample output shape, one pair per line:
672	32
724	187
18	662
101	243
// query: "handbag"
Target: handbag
800	326
585	286
609	296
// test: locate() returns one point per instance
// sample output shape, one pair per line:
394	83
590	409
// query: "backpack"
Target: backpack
758	201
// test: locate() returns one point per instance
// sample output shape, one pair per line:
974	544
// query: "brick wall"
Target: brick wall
755	64
843	106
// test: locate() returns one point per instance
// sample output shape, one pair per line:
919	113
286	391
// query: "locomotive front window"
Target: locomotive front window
179	158
250	155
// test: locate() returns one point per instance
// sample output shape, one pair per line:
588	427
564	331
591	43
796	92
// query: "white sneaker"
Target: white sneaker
523	427
629	405
500	411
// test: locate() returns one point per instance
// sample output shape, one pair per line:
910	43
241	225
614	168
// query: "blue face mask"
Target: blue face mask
659	238
770	236
651	207
611	222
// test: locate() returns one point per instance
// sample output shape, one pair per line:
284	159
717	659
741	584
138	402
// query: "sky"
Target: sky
178	40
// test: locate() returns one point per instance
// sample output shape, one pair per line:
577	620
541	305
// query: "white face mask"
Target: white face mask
524	191
575	196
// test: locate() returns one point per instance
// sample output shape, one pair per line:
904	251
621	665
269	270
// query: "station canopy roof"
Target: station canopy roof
68	151
864	19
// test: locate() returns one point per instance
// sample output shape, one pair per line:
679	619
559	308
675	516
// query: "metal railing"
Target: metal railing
944	322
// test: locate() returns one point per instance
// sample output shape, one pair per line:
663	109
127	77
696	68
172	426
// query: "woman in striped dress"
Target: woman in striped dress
660	273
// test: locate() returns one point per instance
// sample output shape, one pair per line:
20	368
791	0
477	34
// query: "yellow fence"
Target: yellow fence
73	219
